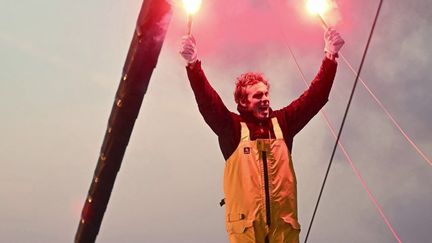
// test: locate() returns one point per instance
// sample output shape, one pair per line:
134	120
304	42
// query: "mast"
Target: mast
149	35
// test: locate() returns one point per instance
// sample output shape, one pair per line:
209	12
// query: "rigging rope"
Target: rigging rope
344	117
392	119
347	156
396	124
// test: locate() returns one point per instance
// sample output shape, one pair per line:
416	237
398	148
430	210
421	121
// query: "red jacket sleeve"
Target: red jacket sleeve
300	111
210	105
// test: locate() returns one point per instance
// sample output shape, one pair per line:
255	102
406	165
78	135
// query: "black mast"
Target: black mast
152	25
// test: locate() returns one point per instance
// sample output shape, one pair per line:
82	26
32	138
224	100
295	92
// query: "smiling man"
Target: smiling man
259	181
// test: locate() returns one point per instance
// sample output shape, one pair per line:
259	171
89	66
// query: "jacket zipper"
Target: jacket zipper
266	188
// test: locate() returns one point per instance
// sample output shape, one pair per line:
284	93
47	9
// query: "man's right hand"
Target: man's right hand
188	49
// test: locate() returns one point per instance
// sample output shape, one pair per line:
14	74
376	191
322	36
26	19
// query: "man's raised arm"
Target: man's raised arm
301	110
210	105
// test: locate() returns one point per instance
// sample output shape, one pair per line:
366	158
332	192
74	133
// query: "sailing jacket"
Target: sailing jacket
291	118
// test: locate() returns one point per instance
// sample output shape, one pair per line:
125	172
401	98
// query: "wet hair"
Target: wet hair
247	79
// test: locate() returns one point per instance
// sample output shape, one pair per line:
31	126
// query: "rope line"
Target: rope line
363	183
380	104
344	118
347	156
392	119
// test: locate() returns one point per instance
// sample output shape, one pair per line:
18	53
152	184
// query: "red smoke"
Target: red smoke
244	30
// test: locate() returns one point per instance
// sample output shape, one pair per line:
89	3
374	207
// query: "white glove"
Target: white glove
333	41
188	49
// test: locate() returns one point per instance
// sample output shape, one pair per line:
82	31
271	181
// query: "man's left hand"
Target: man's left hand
333	42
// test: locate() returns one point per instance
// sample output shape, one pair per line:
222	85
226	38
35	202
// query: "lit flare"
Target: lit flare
318	7
191	6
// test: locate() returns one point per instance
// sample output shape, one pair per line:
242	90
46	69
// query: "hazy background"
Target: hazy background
61	63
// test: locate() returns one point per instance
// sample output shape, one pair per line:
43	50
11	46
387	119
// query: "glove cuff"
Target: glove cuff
193	59
332	53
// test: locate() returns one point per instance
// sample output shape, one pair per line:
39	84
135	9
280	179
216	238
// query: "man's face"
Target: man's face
258	101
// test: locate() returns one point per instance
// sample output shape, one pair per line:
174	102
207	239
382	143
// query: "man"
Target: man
259	179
